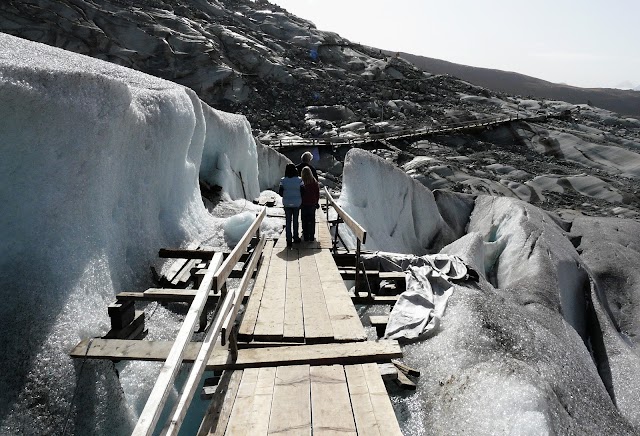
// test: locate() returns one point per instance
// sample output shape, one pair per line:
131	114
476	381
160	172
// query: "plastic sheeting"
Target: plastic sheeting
419	308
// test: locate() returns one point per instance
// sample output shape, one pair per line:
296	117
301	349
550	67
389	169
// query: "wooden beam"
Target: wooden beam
180	409
168	295
225	269
356	228
129	331
182	253
250	316
375	299
319	354
406	368
291	413
330	402
241	290
179	263
217	416
405	382
158	396
382	408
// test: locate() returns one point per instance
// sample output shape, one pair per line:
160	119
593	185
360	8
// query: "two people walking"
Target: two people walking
300	193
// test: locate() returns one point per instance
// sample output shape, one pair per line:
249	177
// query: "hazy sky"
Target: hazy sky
591	43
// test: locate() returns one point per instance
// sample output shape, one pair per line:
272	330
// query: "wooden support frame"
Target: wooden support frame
216	276
158	397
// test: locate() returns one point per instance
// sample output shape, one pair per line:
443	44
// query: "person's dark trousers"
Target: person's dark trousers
309	222
291	219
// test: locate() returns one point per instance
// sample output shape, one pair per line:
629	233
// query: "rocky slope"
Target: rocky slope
625	101
290	78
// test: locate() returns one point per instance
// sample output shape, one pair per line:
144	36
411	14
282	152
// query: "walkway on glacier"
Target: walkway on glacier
415	133
295	361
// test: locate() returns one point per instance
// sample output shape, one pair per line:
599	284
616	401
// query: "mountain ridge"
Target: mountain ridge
625	102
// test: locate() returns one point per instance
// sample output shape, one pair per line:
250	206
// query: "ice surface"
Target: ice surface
398	213
236	226
607	157
533	348
584	184
99	169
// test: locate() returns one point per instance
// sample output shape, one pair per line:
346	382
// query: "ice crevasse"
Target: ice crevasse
100	167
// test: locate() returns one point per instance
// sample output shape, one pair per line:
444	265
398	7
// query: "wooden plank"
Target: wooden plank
356	228
250	316
406	368
291	410
188	253
217	414
330	403
375	299
365	418
270	322
318	354
229	263
405	382
317	323
183	277
178	264
388	371
383	410
293	328
345	321
243	406
240	291
281	243
158	396
263	395
323	235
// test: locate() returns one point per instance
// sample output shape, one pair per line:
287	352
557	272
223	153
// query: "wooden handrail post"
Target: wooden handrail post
357	282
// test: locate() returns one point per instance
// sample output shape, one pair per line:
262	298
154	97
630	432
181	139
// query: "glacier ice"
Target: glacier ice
544	343
100	168
383	206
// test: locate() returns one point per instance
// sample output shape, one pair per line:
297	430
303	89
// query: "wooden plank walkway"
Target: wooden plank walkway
305	400
300	363
299	296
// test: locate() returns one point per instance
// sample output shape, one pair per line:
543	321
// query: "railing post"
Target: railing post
358	266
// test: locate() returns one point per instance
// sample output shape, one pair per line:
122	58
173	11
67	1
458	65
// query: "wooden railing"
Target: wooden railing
226	311
359	232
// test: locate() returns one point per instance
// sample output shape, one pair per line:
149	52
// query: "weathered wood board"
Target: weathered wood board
318	354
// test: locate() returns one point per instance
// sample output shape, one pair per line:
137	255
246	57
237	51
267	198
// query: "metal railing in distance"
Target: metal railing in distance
217	272
396	134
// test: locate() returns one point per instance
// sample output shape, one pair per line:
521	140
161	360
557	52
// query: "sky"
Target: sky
588	43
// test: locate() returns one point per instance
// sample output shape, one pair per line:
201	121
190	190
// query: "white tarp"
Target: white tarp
419	308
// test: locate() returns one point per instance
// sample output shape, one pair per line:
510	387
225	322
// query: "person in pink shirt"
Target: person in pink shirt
310	202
